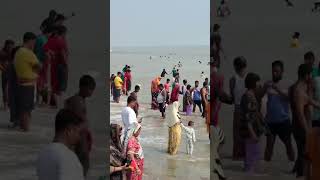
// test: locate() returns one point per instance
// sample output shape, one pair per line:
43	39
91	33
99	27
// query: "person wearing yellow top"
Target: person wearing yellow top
118	87
27	67
312	152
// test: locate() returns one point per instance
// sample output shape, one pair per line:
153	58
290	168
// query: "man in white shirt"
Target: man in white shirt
57	161
128	115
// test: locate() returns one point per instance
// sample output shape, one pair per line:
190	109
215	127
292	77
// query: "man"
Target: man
118	87
128	115
57	160
309	60
42	86
5	59
135	95
300	106
196	97
183	90
77	105
163	73
27	67
204	98
277	116
49	21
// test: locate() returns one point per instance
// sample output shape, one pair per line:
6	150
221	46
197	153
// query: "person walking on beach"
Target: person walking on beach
111	85
175	93
27	67
189	101
300	106
117	87
183	92
204	99
135	95
57	51
128	81
161	99
196	97
128	115
277	117
237	90
77	104
154	92
42	83
5	59
252	127
58	160
190	136
173	120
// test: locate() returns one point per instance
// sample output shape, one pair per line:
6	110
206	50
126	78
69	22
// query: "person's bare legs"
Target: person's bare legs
25	121
269	147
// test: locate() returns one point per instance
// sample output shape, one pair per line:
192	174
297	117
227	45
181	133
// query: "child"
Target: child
312	152
191	136
295	40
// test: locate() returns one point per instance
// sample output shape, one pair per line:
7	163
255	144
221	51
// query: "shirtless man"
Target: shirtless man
301	104
204	98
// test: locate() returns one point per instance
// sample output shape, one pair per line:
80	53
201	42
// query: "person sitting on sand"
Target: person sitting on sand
295	40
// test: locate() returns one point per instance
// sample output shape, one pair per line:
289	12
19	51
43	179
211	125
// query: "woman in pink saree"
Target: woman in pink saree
175	93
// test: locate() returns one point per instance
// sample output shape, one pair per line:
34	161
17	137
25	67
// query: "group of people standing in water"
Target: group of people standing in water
250	124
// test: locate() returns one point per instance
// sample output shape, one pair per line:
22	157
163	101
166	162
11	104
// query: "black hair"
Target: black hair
28	36
52	13
206	79
188	86
60	17
278	63
7	43
190	123
251	80
131	99
239	63
136	87
205	84
304	70
168	80
196	82
87	81
185	81
48	29
66	118
216	27
119	73
308	55
160	85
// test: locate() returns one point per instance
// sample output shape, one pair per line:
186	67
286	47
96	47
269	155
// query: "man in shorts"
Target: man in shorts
27	67
118	83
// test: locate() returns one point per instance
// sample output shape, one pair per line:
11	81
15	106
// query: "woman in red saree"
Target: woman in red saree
175	93
134	152
127	77
57	51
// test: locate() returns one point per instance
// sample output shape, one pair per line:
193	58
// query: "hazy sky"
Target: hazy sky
159	22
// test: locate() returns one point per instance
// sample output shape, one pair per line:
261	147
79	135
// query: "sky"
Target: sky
159	22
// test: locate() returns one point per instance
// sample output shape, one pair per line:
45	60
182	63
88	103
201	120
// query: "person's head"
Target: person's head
184	81
277	70
131	101
112	76
239	64
309	58
29	40
252	81
8	45
164	70
190	123
119	74
216	27
296	35
205	84
115	133
304	73
68	127
188	87
52	14
206	80
222	2
196	83
161	86
87	84
168	80
137	88
60	18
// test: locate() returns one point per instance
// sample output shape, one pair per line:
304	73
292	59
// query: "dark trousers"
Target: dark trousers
197	103
300	137
4	78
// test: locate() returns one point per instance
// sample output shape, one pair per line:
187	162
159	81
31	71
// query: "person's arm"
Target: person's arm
281	93
253	135
134	163
114	169
300	105
194	136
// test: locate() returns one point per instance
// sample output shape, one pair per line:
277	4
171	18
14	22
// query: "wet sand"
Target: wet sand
87	43
261	31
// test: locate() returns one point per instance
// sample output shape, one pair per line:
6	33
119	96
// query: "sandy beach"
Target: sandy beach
261	31
87	56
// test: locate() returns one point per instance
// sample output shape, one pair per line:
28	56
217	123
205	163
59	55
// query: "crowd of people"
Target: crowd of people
34	74
126	158
249	123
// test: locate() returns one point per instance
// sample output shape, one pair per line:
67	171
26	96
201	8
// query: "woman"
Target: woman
189	101
252	127
112	84
134	152
117	166
175	93
57	51
128	79
173	121
154	92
